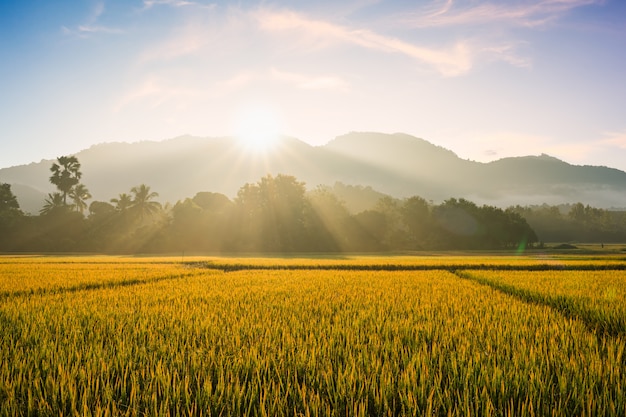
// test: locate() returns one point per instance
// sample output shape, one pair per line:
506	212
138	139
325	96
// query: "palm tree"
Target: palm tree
79	194
142	203
52	203
123	202
65	174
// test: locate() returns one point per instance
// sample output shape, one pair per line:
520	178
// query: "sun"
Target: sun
257	128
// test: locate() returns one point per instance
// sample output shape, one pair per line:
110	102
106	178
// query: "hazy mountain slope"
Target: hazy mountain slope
399	165
403	165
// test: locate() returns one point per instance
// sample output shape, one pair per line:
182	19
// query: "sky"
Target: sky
485	79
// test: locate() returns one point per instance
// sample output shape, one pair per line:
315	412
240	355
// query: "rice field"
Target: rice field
598	298
375	336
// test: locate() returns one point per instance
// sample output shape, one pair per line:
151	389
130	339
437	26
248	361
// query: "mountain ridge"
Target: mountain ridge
396	164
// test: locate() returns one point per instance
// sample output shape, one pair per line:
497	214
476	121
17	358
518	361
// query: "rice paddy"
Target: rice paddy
363	336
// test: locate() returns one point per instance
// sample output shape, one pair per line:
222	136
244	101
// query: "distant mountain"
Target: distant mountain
395	164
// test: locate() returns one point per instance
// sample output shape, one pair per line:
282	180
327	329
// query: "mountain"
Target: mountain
396	164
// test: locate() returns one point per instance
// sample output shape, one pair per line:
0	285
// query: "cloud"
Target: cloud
450	62
83	31
91	26
248	29
494	21
188	41
148	4
154	91
507	52
530	13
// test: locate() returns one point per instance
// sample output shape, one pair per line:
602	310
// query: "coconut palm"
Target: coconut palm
142	204
52	203
79	194
65	175
123	202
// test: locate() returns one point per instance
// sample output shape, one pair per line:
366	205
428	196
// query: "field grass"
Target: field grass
597	298
363	336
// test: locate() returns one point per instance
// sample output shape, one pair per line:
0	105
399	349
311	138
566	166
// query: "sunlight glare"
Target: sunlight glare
257	128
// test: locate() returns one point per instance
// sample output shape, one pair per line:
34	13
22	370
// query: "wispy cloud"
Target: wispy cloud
153	92
529	13
452	61
91	25
188	41
85	30
148	4
507	52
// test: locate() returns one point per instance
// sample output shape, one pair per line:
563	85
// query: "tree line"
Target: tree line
275	214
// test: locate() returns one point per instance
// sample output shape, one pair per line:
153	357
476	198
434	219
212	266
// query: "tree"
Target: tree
53	203
327	221
457	224
123	202
416	217
65	175
142	203
395	231
214	202
187	228
10	214
8	201
371	231
271	214
79	194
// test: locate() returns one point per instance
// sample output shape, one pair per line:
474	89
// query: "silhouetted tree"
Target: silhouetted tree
188	227
142	204
327	221
79	194
123	202
8	201
415	213
395	231
54	202
271	214
101	208
276	214
457	224
214	202
370	231
65	175
10	215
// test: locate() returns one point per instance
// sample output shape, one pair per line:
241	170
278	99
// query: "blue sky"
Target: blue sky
486	79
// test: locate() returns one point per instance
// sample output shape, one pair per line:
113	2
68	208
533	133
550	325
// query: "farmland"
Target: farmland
432	335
